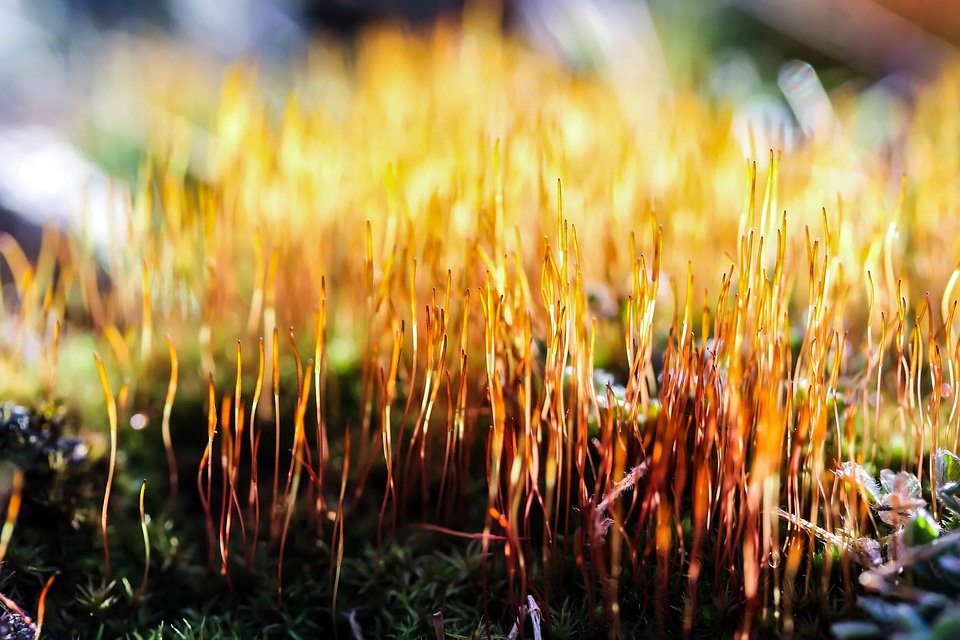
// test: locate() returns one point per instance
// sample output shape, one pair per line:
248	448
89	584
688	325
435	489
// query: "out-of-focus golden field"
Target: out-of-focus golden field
461	291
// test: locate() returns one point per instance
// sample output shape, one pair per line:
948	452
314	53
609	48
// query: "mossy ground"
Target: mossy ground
416	578
794	346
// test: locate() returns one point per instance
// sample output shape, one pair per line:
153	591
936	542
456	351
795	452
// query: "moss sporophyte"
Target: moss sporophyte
357	361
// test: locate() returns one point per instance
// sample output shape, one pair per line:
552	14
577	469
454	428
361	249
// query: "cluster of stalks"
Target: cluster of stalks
472	309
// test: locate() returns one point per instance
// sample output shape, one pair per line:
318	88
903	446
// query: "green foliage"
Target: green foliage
897	499
914	594
921	529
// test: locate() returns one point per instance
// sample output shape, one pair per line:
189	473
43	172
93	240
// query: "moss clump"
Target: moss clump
13	626
38	441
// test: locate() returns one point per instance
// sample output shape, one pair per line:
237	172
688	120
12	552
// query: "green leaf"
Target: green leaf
949	494
921	529
946	467
946	626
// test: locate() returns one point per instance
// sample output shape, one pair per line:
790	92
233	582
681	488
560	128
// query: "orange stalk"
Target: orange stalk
206	466
254	497
293	478
112	418
13	511
42	606
275	503
146	546
165	428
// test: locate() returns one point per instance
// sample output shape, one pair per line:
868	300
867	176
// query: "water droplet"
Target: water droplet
774	559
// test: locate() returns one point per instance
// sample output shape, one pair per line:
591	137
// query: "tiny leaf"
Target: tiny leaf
948	494
866	485
903	483
946	467
921	529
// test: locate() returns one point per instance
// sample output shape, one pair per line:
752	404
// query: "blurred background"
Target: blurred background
68	68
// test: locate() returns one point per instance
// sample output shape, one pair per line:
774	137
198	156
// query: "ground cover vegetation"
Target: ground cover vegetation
452	342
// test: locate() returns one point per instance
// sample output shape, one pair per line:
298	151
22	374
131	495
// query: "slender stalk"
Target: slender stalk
112	418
